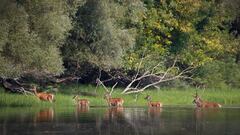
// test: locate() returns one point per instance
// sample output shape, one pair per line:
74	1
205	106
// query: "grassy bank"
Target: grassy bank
166	96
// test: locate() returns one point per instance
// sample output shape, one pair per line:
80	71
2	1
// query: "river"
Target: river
119	121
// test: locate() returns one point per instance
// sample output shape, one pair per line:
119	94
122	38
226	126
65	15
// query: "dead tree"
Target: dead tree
99	82
161	76
14	86
65	79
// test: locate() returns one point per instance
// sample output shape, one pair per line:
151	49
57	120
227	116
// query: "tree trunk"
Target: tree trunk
237	60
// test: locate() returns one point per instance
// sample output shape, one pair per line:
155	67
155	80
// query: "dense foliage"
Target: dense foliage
31	34
39	36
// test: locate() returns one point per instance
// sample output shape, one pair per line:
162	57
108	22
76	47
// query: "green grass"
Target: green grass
166	96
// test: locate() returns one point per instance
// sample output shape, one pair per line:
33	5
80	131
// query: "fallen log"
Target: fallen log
14	86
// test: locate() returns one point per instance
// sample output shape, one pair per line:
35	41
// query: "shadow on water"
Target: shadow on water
119	121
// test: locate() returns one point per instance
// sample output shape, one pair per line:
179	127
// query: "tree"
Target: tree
31	34
102	32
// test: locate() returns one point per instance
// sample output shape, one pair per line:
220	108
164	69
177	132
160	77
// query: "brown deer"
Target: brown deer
81	102
204	104
43	95
151	103
113	101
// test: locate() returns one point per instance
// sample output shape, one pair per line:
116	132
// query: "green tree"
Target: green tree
103	31
195	31
31	34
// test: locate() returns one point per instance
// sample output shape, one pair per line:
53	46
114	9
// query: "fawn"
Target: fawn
152	103
43	96
81	102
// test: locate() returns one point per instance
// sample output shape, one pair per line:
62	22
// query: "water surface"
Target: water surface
119	121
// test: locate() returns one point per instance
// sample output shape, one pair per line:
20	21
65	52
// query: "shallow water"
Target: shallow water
119	121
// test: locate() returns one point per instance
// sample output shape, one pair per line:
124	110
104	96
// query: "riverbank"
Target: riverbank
181	97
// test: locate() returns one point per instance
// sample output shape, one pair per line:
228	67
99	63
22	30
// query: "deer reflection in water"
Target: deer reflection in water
44	115
202	117
201	114
81	109
82	105
154	112
114	113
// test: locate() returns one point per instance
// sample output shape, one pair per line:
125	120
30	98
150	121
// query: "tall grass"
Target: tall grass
166	96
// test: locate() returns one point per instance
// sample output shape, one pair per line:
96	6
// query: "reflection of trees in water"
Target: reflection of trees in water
119	121
203	118
147	121
115	122
79	111
150	121
132	121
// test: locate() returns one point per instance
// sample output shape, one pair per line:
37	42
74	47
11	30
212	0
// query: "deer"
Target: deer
152	103
81	102
117	102
204	104
43	95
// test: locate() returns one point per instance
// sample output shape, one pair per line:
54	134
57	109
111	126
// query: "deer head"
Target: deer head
107	95
148	98
197	100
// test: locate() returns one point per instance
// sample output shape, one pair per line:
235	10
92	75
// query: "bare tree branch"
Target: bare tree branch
107	90
98	83
101	83
113	88
159	76
162	77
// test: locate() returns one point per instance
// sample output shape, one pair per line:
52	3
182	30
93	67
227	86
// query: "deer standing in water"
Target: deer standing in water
81	102
118	102
204	104
152	103
43	95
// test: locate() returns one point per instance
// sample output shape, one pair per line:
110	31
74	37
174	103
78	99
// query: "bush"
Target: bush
219	74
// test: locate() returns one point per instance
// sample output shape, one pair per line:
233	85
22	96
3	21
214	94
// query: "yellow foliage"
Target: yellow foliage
213	43
188	6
